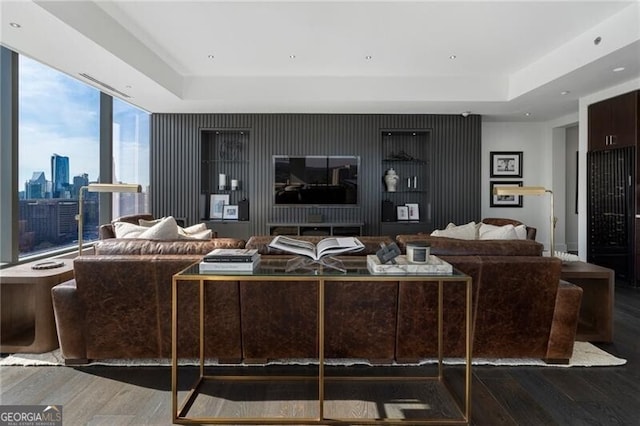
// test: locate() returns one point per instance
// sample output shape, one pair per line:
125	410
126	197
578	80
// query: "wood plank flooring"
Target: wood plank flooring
501	395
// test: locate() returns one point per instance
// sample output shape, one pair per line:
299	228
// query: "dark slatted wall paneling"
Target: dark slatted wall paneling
454	151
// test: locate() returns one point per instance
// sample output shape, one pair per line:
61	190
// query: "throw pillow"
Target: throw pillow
492	232
127	230
521	232
201	235
148	223
468	231
166	229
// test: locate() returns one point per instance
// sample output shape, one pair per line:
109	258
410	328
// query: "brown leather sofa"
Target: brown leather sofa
119	303
118	306
521	307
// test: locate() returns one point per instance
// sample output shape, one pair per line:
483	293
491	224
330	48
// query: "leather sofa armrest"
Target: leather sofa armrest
565	323
70	323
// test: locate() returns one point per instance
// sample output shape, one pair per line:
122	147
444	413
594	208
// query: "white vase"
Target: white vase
391	180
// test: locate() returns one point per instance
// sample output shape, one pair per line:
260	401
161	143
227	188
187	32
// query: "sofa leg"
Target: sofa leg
562	361
76	361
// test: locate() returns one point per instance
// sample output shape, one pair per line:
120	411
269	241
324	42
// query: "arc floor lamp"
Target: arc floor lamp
99	187
532	190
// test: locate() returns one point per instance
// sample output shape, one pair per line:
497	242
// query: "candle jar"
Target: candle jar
418	252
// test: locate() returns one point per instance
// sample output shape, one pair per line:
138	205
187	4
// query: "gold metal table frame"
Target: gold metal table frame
180	412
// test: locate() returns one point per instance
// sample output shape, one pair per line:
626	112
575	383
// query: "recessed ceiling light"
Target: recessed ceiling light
597	40
210	56
368	57
15	25
618	69
528	114
292	56
452	57
565	92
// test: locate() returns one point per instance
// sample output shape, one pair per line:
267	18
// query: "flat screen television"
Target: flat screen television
316	180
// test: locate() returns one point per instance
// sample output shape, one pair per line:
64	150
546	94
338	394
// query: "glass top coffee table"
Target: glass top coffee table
272	269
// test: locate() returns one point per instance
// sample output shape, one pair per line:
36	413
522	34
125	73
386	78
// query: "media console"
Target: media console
316	228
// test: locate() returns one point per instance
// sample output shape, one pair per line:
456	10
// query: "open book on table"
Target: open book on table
325	247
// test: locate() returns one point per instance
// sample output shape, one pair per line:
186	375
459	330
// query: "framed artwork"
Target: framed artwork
414	211
216	207
506	164
505	200
402	212
230	212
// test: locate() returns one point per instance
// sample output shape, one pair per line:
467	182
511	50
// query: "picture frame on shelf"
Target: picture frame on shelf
216	206
402	213
506	164
504	200
230	212
414	211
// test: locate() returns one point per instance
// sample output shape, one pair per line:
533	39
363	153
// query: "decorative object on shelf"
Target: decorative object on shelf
230	212
400	156
531	190
505	199
230	150
234	184
243	210
402	212
506	164
391	179
388	253
216	207
414	211
99	187
222	182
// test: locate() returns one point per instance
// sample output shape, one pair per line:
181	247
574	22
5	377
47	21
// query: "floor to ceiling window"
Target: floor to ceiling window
59	152
130	157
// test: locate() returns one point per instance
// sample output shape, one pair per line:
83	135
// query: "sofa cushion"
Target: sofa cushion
140	246
165	229
457	247
467	231
505	232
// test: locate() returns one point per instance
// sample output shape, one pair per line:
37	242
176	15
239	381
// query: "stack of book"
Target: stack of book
230	260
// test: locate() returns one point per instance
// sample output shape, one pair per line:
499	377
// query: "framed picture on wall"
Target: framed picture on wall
216	207
504	200
506	164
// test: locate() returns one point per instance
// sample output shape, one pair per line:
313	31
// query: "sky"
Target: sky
59	114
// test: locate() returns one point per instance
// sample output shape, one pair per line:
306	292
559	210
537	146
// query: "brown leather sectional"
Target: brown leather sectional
118	306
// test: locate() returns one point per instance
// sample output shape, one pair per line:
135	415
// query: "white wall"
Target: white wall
544	151
533	140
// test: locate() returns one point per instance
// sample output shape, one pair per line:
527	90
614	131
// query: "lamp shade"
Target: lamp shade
519	190
114	187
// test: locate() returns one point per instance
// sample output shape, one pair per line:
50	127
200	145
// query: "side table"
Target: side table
27	319
596	312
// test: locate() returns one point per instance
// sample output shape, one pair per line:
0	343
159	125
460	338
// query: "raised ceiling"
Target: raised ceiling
511	57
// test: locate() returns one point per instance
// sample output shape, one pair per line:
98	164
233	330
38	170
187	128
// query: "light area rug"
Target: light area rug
584	355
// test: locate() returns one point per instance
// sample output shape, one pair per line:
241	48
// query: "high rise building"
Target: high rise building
59	175
36	187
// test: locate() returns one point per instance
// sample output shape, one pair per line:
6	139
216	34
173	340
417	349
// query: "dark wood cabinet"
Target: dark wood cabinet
613	186
613	123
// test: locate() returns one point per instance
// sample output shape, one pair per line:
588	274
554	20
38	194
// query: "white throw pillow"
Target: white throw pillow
468	231
207	234
149	223
492	232
521	232
166	229
128	230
